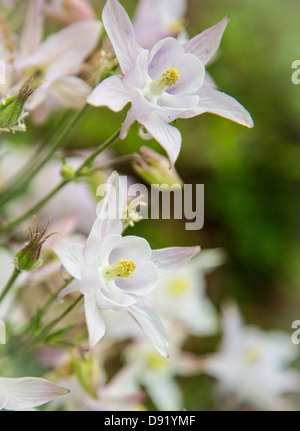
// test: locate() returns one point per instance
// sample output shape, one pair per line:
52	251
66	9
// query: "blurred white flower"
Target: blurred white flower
182	298
163	84
57	61
116	272
253	364
27	392
156	19
68	11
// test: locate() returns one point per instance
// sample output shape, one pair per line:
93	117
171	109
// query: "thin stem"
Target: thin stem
53	142
9	227
9	284
45	331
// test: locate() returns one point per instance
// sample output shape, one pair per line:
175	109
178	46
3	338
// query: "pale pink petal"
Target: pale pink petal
205	44
145	315
169	259
216	102
166	135
29	392
121	34
111	93
129	120
94	321
33	27
63	52
72	258
70	92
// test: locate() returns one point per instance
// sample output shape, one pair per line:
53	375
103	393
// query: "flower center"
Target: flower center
122	269
166	80
179	287
253	354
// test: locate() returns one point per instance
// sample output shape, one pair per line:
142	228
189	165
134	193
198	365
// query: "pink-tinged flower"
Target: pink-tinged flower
27	392
253	365
68	11
57	61
156	19
163	84
113	271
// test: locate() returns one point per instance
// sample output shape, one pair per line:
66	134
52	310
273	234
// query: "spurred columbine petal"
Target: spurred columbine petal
216	102
94	321
70	92
168	136
145	315
121	34
206	44
168	259
28	392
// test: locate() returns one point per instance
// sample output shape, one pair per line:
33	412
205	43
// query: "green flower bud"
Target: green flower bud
12	108
87	371
28	258
155	168
67	172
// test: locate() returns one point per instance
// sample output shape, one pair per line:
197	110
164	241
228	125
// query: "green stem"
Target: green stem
9	284
42	335
9	227
50	145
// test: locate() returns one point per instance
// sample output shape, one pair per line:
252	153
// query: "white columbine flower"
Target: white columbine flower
253	364
163	84
27	392
181	296
157	19
116	272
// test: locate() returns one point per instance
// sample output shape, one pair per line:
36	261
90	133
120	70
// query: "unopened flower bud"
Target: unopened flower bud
87	371
155	168
12	108
67	172
28	258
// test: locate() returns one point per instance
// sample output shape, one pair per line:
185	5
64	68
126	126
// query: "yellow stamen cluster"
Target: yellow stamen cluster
254	354
179	287
167	79
122	269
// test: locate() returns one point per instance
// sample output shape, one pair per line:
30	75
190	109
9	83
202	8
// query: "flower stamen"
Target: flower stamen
167	79
122	269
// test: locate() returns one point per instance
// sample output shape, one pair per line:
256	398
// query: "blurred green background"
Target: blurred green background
251	177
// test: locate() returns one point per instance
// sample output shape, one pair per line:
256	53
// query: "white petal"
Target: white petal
142	281
114	298
94	321
129	247
168	259
33	27
63	52
205	44
216	102
145	315
164	391
70	92
111	93
166	135
72	258
101	228
29	392
121	34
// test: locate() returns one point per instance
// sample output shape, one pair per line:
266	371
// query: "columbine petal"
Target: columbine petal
216	102
168	136
94	321
63	52
121	34
145	315
142	281
111	93
70	92
205	44
168	259
29	392
72	258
